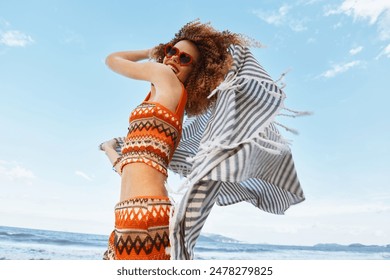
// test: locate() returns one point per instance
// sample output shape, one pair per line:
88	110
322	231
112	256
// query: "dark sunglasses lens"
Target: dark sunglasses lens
170	51
185	58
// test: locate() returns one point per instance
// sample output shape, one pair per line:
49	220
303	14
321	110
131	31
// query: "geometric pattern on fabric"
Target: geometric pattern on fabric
141	230
153	135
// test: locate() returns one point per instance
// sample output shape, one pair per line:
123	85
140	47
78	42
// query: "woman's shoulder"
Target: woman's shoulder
165	77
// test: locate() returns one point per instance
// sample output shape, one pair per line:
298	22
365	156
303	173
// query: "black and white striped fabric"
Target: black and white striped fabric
233	153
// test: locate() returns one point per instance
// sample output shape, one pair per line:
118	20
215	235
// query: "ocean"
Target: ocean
34	244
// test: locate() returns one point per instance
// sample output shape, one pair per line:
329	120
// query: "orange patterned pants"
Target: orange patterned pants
141	230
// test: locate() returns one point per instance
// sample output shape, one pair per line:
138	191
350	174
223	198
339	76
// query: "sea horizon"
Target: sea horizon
17	243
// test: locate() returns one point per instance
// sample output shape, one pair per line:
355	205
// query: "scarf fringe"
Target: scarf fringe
293	131
294	114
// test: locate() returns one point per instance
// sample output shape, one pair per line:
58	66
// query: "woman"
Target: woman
184	73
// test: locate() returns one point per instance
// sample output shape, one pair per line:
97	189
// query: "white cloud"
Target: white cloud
375	11
83	175
356	50
15	38
362	9
337	25
385	52
12	171
384	26
21	172
282	17
274	18
297	25
309	2
340	68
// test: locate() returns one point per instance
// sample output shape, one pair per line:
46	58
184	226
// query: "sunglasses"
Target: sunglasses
184	58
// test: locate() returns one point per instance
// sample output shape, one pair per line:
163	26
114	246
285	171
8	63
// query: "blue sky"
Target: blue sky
59	101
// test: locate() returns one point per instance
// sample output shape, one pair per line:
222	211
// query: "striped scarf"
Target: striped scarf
233	153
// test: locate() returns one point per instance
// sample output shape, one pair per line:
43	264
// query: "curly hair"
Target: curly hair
213	65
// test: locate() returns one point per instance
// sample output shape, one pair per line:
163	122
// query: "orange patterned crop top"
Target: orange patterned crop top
154	134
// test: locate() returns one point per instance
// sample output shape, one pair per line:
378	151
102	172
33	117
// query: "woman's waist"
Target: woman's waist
140	176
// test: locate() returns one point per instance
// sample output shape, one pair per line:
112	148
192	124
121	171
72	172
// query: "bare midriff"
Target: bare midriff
150	183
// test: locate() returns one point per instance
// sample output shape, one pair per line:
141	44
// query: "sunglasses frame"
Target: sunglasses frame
178	53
